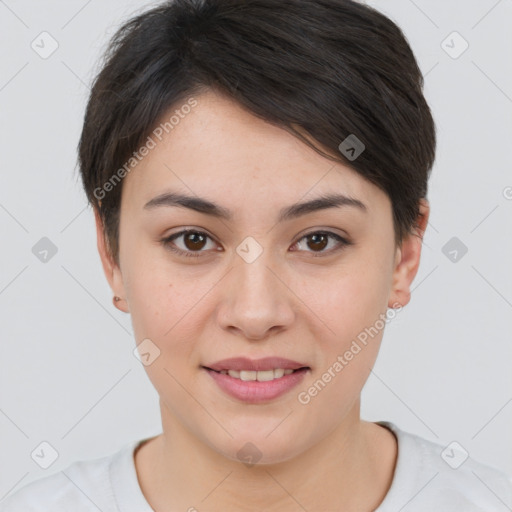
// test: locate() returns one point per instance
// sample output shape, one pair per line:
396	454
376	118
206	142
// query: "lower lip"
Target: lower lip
255	392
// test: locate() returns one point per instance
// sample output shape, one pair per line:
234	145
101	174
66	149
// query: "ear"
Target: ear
111	269
407	259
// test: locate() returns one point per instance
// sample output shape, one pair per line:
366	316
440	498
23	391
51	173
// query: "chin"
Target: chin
257	448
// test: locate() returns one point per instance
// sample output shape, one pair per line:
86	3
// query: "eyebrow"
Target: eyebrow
199	204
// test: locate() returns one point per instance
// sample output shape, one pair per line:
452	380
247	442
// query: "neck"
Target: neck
351	468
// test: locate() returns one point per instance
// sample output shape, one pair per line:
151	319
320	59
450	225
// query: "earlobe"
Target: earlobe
408	260
110	268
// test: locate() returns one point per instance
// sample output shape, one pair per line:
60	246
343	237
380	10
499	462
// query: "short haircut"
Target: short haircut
329	68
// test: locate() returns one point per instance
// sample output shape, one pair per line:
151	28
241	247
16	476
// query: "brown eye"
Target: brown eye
192	244
194	241
317	241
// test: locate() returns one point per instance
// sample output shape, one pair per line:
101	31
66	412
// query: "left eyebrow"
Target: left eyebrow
208	207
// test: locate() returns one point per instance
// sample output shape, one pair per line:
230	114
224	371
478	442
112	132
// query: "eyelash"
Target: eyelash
167	242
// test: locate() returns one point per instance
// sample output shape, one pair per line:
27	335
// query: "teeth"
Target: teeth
248	375
260	376
265	376
278	373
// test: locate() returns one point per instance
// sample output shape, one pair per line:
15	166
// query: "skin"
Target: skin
287	302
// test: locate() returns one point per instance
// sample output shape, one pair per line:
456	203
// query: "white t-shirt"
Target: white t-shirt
423	482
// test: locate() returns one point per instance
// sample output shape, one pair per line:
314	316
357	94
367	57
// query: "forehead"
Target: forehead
221	151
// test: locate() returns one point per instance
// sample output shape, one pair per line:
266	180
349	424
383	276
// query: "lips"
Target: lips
256	381
255	365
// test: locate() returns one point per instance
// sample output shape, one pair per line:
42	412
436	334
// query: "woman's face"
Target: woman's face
254	283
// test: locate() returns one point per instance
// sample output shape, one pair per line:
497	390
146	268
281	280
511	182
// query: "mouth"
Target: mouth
256	381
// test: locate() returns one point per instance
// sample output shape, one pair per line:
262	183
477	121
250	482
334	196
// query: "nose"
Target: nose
257	301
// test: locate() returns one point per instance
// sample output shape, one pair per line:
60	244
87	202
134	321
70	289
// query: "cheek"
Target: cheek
158	310
354	308
150	288
166	306
351	300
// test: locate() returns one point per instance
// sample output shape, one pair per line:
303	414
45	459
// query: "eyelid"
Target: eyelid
167	241
343	241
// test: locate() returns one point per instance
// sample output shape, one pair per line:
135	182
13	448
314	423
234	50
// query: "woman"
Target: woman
258	172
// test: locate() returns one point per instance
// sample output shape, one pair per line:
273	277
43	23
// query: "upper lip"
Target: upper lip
266	363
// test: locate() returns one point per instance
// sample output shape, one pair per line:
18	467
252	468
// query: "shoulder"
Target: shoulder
429	474
82	486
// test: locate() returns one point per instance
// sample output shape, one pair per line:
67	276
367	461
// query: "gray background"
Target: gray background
68	374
